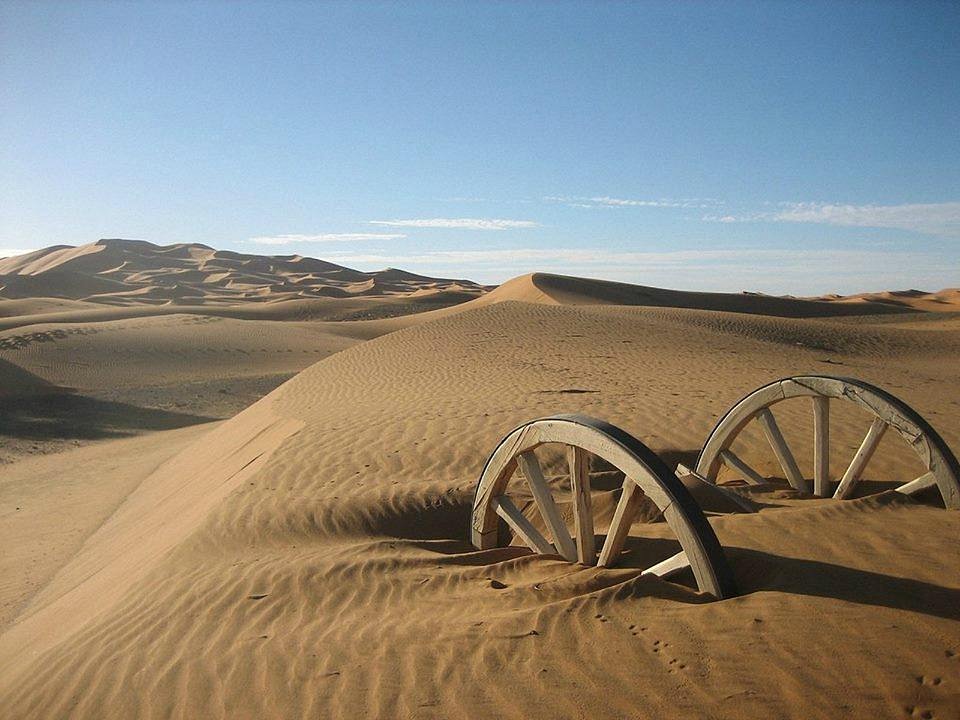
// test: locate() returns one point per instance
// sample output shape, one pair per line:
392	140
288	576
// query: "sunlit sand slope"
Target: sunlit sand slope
309	558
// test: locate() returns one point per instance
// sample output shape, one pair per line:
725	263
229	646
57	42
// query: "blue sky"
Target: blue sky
779	147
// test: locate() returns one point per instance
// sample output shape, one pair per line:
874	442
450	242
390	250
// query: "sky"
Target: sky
777	147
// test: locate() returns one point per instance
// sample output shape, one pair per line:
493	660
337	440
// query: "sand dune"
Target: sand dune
122	337
135	272
77	382
947	300
563	290
309	556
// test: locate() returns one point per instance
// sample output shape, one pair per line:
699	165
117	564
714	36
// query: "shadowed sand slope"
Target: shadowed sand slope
308	558
68	383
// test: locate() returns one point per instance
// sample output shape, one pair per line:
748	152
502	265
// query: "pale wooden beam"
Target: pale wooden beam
780	449
671	566
521	526
630	499
733	461
578	460
685	474
927	480
821	445
852	476
530	467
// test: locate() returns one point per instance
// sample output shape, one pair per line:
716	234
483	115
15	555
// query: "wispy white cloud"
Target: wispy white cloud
605	201
662	203
323	238
941	219
929	218
11	252
458	223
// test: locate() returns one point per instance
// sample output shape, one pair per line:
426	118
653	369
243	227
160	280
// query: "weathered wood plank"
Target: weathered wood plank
578	460
734	462
927	480
821	446
630	498
505	508
789	464
671	566
685	474
530	467
860	459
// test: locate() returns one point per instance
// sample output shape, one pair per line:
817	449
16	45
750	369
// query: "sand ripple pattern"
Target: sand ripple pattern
336	581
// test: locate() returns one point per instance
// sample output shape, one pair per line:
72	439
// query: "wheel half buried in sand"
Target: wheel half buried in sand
645	475
941	466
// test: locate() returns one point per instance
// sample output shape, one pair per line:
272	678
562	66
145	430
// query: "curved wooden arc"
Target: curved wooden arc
888	411
645	472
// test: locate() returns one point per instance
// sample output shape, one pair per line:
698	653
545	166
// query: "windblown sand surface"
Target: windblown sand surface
309	556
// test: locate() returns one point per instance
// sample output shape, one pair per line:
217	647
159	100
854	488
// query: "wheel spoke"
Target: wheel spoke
578	460
521	526
733	461
686	474
630	498
923	482
530	467
780	449
852	476
821	446
671	566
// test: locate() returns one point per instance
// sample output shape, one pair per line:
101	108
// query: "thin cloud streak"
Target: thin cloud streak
930	218
323	238
458	223
605	201
940	219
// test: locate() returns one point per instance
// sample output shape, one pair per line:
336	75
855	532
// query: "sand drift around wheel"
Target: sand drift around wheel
646	475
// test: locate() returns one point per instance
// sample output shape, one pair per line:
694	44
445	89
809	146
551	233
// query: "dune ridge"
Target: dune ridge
553	289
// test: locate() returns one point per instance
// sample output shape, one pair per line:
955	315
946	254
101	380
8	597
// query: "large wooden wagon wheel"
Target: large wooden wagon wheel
645	475
941	466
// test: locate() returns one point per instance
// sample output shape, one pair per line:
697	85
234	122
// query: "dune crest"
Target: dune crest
549	289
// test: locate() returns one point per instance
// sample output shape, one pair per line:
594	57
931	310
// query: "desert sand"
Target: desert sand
177	553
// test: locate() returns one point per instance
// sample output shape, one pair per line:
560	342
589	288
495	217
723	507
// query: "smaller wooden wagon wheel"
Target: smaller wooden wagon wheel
941	466
645	475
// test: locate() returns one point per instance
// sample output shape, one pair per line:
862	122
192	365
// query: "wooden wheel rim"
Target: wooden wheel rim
888	412
643	470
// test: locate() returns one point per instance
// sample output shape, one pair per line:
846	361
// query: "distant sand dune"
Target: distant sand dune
564	290
132	272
